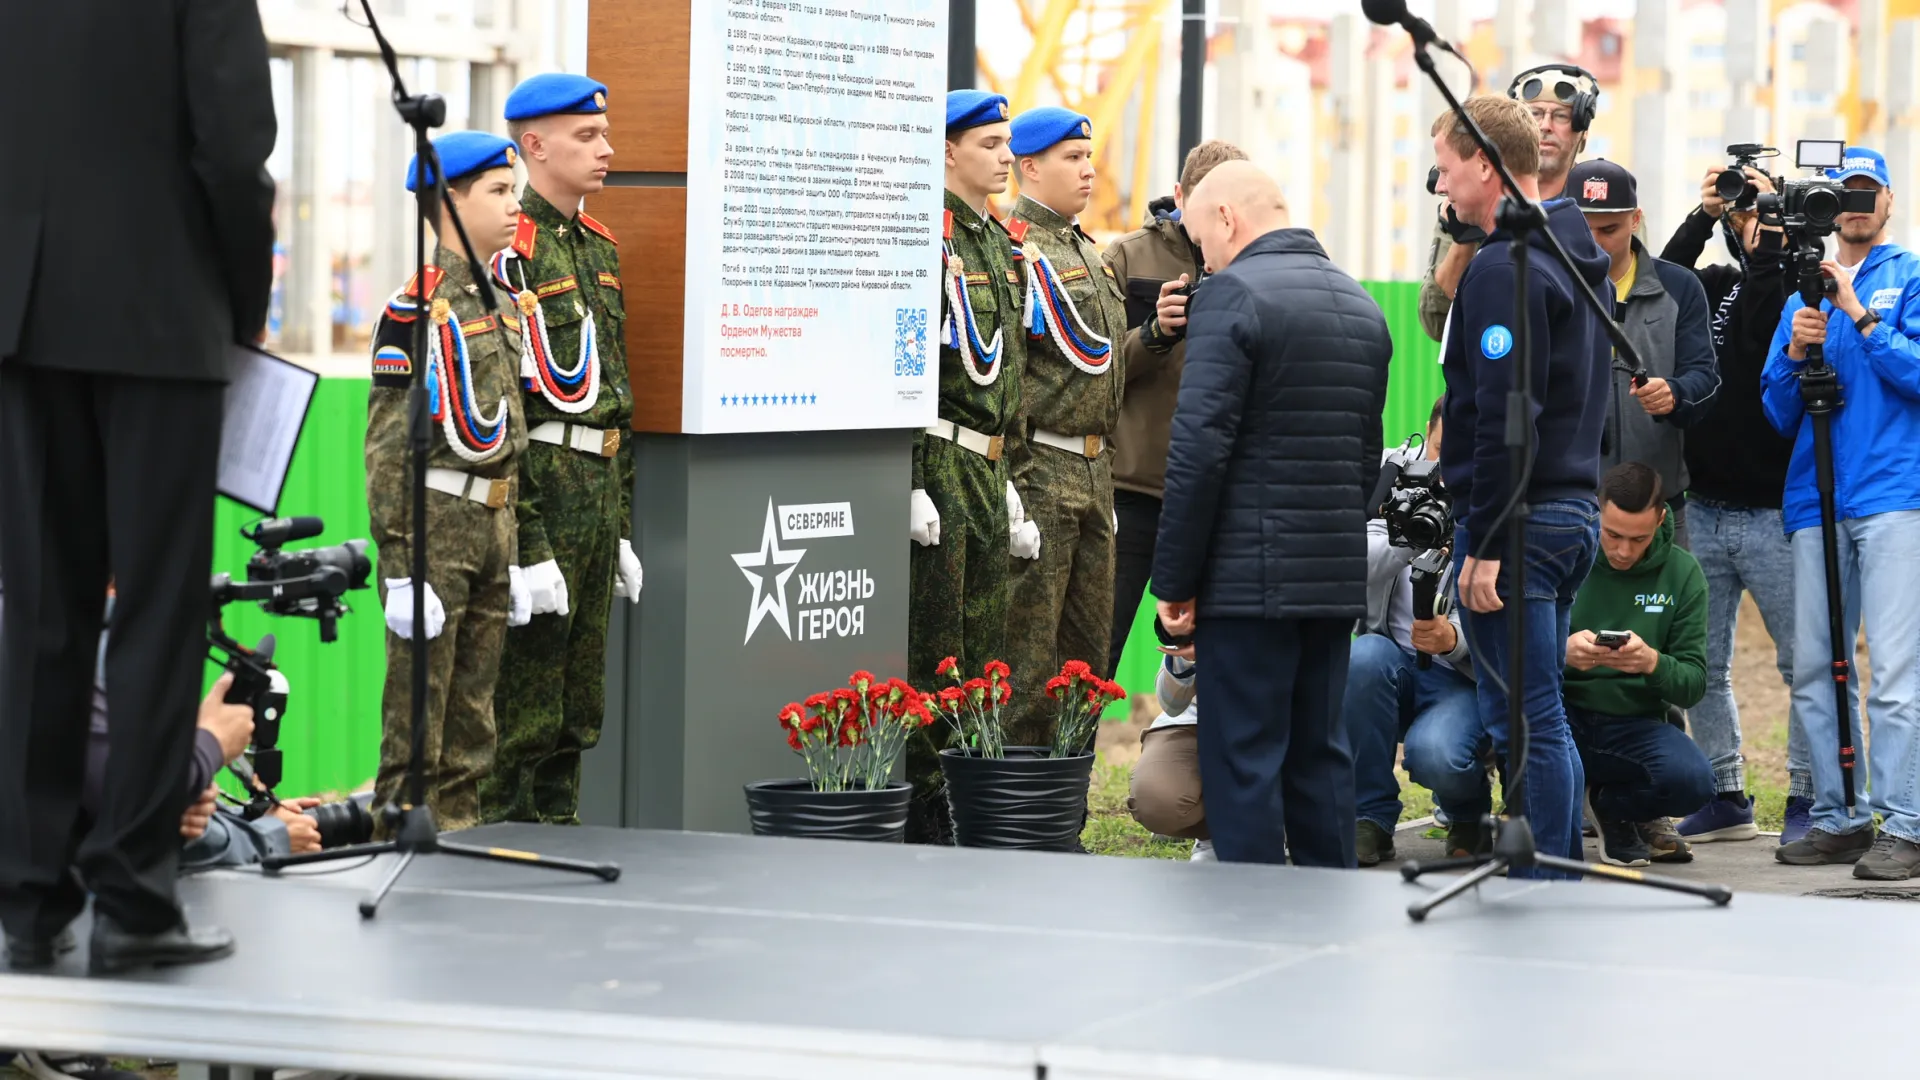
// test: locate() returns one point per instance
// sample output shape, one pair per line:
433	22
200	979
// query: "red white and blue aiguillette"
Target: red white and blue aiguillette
961	331
472	434
571	389
1050	312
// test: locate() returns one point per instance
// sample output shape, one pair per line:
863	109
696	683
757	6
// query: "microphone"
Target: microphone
1394	13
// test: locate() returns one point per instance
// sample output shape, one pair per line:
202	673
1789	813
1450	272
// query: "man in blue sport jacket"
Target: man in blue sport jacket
1869	329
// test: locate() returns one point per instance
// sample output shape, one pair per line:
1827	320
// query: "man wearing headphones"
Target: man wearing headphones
1563	99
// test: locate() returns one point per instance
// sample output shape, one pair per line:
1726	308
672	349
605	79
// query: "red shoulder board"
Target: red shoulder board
597	227
435	275
524	234
946	225
1017	228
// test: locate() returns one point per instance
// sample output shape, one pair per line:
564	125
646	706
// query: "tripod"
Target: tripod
412	824
1820	393
1522	219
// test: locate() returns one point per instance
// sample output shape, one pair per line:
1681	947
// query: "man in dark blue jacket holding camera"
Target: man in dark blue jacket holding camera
1275	447
1569	357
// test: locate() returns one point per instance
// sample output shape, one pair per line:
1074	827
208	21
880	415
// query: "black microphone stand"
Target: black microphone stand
1513	846
411	824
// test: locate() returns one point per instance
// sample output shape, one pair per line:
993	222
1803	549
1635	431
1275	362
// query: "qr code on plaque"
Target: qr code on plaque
909	341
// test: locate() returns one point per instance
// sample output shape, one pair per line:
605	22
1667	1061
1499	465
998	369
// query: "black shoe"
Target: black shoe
1621	845
39	954
116	949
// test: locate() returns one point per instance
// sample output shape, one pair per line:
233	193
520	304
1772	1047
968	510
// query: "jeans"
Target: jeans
1390	700
1562	537
1880	581
1743	549
1139	517
1640	768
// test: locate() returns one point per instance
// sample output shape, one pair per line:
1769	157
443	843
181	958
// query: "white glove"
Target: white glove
548	587
519	598
1024	540
630	575
400	609
923	521
1016	513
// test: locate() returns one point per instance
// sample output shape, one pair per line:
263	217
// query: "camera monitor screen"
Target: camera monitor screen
1819	153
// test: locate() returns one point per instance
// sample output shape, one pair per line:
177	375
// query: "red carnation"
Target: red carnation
820	700
1056	684
1076	669
810	724
1006	693
947	666
996	667
1116	691
791	714
861	679
952	695
975	684
793	740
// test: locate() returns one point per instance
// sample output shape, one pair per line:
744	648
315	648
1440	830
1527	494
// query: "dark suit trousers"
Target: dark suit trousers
100	476
1275	768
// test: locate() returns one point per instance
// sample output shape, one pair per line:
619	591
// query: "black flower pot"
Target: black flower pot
1024	800
793	808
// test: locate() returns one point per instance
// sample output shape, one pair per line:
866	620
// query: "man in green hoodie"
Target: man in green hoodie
1638	645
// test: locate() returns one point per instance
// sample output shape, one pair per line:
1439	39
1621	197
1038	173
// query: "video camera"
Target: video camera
307	584
1733	185
1418	511
1809	211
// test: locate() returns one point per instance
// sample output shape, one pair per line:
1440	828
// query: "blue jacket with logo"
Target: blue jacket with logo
1876	431
1571	361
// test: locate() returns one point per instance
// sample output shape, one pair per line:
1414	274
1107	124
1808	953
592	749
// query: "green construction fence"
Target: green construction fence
331	737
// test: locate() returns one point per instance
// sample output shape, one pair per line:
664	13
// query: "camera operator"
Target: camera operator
1164	793
1870	334
1392	698
1562	99
1736	468
1569	358
1638	644
1663	309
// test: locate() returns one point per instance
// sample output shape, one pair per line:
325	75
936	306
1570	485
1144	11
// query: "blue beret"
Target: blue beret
974	108
1035	130
465	152
554	92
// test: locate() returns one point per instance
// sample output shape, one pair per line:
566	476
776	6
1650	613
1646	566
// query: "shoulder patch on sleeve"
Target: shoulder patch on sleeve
597	227
524	235
392	367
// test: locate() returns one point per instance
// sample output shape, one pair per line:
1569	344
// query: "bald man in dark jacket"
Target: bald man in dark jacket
1263	537
138	248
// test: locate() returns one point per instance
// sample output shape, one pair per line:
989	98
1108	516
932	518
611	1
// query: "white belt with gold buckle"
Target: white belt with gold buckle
491	494
584	439
987	446
1086	446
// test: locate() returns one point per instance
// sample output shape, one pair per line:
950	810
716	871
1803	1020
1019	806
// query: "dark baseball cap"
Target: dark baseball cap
1601	187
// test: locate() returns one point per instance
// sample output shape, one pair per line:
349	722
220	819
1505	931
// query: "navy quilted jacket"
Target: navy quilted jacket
1276	439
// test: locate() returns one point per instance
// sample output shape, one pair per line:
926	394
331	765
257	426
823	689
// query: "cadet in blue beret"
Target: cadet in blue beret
964	519
564	268
472	363
1061	453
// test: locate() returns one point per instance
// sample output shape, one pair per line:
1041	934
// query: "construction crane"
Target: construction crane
1094	57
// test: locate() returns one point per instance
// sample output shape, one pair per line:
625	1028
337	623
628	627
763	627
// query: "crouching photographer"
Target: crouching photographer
1164	796
1408	675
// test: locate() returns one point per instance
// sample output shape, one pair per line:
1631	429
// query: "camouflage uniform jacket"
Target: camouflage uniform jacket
983	253
572	267
1056	395
460	435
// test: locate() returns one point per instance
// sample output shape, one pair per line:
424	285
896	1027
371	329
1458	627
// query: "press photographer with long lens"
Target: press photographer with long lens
1868	330
1562	99
1409	678
1570	362
1736	469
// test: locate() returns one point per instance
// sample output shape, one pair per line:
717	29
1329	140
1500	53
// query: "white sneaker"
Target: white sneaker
1203	852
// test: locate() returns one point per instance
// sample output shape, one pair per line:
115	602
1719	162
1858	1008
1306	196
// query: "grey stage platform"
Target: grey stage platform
720	956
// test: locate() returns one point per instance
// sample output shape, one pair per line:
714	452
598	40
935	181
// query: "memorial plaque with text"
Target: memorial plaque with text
815	152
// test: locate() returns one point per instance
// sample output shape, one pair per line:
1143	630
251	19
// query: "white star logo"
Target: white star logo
768	601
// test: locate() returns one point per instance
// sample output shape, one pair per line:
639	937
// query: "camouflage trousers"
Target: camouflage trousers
468	552
552	696
957	606
1062	601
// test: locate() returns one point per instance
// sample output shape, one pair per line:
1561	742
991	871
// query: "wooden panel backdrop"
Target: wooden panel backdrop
639	49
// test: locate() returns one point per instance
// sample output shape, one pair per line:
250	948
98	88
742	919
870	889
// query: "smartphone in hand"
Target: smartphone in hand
1612	639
